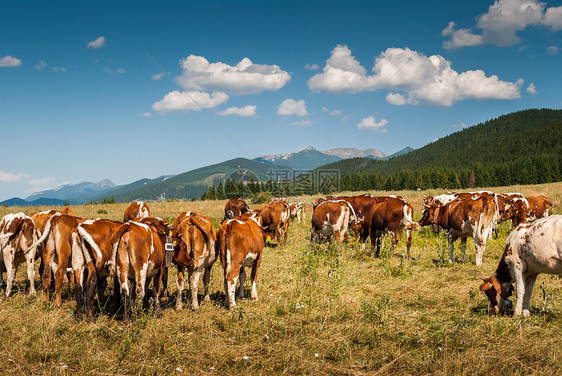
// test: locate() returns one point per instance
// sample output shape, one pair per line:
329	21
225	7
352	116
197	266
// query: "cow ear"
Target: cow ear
486	285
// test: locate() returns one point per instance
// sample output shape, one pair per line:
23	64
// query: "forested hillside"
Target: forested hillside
519	148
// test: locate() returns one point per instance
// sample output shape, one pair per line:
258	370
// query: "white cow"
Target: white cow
530	249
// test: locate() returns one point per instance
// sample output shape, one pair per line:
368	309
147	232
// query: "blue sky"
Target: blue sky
126	90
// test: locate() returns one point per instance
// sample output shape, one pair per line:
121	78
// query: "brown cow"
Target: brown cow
195	250
503	199
17	234
137	209
331	219
461	219
92	246
235	207
275	217
521	210
393	214
240	244
57	251
138	254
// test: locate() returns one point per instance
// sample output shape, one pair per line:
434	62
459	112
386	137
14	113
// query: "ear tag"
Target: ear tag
175	243
268	239
170	233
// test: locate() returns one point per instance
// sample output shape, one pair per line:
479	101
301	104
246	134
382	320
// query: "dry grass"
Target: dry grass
322	310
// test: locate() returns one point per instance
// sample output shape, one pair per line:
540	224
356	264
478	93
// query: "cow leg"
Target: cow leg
452	240
10	269
462	246
520	291
47	269
157	284
140	283
125	297
30	261
408	241
165	293
230	287
206	282
91	284
242	275
78	291
194	286
179	284
254	277
529	284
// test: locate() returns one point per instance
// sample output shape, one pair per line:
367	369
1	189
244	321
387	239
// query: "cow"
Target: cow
521	210
393	215
138	254
297	211
240	244
462	219
17	235
92	246
137	209
275	217
530	249
503	199
331	219
57	251
195	250
235	207
319	200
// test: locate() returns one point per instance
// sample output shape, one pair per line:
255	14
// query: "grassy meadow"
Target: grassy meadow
322	310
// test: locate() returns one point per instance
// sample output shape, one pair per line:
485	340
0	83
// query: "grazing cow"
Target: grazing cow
503	199
57	251
195	250
521	210
137	209
240	244
530	249
461	219
138	254
92	246
331	219
235	207
393	215
297	211
275	217
17	235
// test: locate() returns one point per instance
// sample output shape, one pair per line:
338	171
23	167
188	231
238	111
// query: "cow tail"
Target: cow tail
409	221
487	217
19	223
115	241
199	225
46	232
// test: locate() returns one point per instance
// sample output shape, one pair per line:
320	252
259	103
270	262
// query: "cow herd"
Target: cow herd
138	251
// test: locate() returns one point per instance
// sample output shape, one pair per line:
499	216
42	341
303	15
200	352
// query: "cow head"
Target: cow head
516	210
497	294
428	214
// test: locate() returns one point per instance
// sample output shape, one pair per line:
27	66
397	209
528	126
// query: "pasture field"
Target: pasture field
322	310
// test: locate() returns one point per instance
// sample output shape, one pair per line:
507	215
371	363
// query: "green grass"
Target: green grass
322	310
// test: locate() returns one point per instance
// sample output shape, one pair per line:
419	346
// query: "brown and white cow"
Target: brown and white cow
57	251
139	255
235	207
195	250
92	247
530	249
137	209
330	219
503	199
521	210
462	219
17	235
391	215
297	211
275	217
240	244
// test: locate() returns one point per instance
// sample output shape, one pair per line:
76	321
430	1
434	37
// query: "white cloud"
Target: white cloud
41	182
553	50
159	76
114	72
9	61
312	66
371	124
146	114
244	78
59	69
189	101
462	125
302	123
531	89
396	99
246	111
335	112
424	80
502	22
97	43
292	107
9	177
40	65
